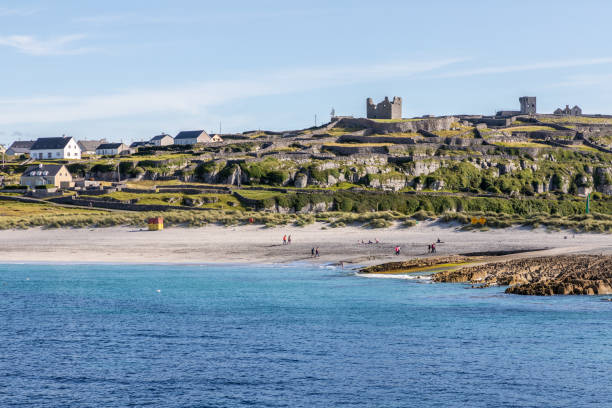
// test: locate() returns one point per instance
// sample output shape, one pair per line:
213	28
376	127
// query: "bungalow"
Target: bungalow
64	147
191	137
112	149
20	147
41	174
90	146
162	140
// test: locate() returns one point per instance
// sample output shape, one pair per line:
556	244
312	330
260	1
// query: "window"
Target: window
57	154
49	155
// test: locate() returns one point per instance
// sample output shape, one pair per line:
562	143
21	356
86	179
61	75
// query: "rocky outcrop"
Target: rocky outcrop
405	266
544	276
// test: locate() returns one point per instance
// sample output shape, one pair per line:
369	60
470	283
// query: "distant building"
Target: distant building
191	137
216	138
111	149
20	147
64	147
162	140
136	145
90	146
385	109
41	174
575	111
528	105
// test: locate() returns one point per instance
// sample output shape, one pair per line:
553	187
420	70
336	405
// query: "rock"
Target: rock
301	180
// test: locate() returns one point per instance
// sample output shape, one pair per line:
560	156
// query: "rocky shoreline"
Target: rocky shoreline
542	276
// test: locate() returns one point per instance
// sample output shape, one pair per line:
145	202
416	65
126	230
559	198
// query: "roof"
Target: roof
90	145
109	146
44	143
160	137
22	144
51	169
138	144
190	134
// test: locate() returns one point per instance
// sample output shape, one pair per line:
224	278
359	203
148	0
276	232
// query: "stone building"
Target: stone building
528	105
575	111
385	109
64	147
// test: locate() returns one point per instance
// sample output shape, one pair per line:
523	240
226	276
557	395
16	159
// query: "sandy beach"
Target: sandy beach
256	244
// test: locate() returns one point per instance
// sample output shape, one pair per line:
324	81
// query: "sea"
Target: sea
290	336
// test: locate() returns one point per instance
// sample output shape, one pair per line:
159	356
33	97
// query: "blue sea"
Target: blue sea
294	336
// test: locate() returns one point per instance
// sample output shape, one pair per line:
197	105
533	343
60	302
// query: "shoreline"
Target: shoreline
243	245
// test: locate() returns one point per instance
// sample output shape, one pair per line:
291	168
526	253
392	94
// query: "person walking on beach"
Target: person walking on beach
284	239
429	248
317	252
312	252
433	248
397	250
289	239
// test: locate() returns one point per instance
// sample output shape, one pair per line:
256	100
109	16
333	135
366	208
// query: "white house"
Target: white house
112	149
19	148
191	137
55	148
162	140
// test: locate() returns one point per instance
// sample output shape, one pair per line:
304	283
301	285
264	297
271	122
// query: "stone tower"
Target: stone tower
385	109
528	105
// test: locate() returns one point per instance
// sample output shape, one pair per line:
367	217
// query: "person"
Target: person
370	242
397	250
289	239
317	252
429	248
312	252
377	241
439	240
284	239
433	248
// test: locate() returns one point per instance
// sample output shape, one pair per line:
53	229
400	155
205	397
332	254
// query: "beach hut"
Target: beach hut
156	223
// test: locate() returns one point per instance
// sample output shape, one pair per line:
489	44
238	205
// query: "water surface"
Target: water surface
227	336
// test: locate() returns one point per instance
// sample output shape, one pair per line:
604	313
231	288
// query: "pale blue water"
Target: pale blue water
102	336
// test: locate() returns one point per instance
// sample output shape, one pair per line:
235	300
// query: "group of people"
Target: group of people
314	252
286	239
431	248
369	241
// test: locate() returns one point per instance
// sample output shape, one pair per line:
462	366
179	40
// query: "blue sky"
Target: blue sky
129	70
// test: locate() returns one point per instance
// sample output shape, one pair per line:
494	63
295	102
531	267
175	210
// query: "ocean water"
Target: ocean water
295	336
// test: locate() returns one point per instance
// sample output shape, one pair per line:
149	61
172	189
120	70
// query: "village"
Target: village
520	154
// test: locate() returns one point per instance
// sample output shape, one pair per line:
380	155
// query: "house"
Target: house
575	111
42	174
64	147
112	149
90	146
136	145
191	137
20	147
216	138
162	140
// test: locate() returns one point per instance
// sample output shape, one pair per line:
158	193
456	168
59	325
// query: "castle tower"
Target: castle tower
385	109
528	105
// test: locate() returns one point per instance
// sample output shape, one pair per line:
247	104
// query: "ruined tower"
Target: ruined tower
385	109
528	105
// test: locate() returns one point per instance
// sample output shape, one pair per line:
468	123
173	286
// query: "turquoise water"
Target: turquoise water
227	336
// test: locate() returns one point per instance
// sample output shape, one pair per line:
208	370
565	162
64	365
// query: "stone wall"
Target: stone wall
404	126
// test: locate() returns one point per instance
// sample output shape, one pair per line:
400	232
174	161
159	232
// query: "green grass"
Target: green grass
528	129
397	120
576	120
521	144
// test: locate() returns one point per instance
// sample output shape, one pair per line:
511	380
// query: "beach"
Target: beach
256	244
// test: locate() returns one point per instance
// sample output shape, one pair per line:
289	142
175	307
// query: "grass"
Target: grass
521	144
397	120
357	144
576	120
528	129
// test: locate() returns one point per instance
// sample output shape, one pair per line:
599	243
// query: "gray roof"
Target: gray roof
160	137
22	144
109	146
90	145
44	143
51	169
138	144
190	134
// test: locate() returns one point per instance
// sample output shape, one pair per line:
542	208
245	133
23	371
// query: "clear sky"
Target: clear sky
128	70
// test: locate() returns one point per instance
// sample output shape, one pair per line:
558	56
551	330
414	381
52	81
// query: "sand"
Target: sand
256	244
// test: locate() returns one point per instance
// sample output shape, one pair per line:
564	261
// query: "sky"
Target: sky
129	70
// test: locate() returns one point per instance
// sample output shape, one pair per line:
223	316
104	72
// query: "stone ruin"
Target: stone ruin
385	109
575	111
528	105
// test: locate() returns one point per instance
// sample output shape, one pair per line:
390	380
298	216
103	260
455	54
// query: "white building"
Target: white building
55	148
162	140
112	149
191	137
